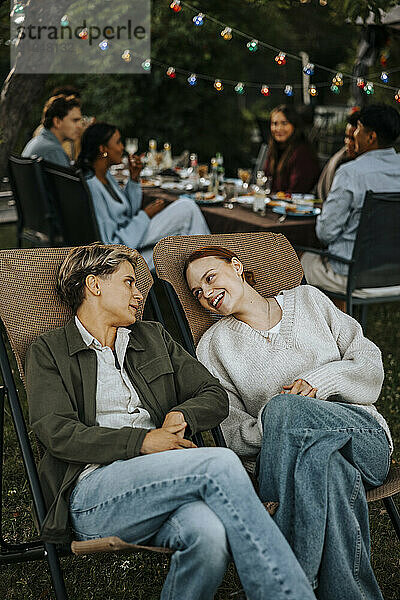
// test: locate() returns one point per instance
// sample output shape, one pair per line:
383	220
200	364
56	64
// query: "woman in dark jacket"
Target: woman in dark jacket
291	160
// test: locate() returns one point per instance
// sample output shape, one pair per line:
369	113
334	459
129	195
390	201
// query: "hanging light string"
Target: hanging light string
242	34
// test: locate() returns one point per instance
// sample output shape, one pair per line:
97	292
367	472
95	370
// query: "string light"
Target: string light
84	34
239	88
146	64
280	59
309	69
312	90
227	33
265	90
103	45
192	79
360	83
384	77
335	88
198	20
218	85
126	56
171	72
64	21
289	90
252	45
369	88
176	5
397	96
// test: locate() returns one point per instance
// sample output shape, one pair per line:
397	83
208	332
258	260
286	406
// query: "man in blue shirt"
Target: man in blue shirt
62	120
376	168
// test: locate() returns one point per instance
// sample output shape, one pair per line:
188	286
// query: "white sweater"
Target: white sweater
316	342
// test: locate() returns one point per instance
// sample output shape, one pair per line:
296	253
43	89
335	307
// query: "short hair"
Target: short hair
65	90
384	120
352	118
58	106
95	259
222	254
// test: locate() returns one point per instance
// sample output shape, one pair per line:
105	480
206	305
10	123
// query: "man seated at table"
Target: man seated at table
62	120
376	168
346	153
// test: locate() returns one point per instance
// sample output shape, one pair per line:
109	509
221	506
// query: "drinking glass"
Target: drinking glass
131	145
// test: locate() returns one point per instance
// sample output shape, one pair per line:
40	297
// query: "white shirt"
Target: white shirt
117	402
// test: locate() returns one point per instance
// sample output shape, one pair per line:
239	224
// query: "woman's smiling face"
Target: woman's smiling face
218	285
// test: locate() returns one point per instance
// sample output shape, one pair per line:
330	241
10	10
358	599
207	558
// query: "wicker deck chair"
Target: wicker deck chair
29	307
275	266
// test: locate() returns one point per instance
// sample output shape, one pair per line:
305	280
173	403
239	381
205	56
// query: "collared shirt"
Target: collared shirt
377	170
46	145
117	402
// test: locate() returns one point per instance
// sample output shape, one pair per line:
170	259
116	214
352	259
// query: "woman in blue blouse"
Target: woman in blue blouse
119	212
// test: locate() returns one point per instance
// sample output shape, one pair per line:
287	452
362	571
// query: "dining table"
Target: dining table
299	230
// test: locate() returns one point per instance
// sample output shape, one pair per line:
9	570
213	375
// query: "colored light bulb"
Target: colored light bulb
84	34
335	89
252	46
384	77
198	20
397	96
288	90
103	45
64	22
126	56
218	85
360	82
369	88
239	88
146	64
227	33
176	6
192	79
280	58
309	69
171	72
312	90
265	90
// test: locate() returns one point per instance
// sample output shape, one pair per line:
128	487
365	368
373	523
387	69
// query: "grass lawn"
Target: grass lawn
140	577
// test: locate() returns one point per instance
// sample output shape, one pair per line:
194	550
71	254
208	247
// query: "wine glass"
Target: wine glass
131	145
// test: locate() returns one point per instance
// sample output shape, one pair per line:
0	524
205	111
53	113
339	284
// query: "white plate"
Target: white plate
306	212
245	200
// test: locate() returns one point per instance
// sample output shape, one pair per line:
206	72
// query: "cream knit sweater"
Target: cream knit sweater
316	342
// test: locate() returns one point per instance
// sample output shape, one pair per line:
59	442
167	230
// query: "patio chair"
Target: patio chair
37	220
73	203
275	266
375	261
28	307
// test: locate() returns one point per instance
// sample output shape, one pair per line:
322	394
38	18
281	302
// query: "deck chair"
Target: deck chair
275	266
28	307
375	261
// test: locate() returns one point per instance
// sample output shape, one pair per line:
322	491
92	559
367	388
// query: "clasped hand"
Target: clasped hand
300	387
168	437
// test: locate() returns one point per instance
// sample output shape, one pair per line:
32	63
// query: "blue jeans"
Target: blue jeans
201	503
317	457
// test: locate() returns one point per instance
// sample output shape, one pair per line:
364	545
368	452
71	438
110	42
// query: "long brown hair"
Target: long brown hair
221	253
277	159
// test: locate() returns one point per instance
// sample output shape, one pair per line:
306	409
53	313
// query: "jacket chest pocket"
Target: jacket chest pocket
159	376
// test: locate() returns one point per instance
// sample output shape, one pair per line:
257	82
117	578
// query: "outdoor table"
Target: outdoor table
298	230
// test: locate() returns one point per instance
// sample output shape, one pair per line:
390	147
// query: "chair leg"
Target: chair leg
393	513
57	577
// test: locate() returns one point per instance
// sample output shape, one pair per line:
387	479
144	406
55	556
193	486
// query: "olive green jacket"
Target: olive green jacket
61	384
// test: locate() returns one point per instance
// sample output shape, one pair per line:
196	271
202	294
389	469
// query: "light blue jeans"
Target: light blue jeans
317	457
201	503
181	217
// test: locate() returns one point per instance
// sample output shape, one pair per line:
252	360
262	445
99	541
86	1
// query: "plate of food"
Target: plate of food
296	210
148	183
207	198
245	200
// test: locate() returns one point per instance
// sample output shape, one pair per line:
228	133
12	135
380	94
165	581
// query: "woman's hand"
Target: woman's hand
166	438
300	387
135	166
175	417
154	207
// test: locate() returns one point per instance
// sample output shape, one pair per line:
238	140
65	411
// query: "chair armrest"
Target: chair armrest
347	261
